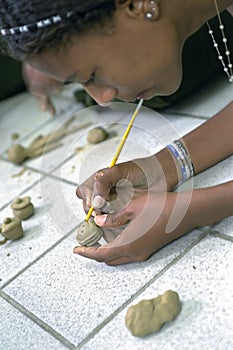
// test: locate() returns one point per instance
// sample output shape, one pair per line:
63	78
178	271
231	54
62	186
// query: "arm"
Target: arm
148	231
207	145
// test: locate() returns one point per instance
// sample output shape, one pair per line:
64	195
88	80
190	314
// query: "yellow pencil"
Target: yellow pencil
121	144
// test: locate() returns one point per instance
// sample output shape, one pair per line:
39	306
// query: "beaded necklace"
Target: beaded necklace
227	65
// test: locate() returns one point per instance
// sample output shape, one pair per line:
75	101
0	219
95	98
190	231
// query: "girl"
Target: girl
97	45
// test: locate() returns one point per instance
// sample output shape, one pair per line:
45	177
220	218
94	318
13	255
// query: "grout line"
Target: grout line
108	319
220	235
39	257
21	193
65	111
37	320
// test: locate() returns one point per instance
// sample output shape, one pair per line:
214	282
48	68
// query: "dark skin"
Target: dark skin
101	62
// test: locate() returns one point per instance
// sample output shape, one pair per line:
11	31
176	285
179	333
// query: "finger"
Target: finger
101	254
113	220
108	255
85	193
106	179
46	105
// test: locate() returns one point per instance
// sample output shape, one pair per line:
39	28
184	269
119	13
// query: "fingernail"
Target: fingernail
100	219
98	202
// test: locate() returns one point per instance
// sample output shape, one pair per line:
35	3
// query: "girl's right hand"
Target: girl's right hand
41	86
111	188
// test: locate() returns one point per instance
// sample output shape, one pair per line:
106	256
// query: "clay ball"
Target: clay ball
88	233
16	154
97	135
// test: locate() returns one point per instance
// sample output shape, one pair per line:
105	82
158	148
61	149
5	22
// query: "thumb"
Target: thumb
113	220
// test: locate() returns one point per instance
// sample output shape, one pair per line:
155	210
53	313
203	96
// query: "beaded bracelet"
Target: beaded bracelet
180	152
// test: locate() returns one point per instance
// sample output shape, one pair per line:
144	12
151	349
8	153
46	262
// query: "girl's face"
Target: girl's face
135	59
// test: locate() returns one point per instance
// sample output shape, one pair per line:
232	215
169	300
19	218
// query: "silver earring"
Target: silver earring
149	15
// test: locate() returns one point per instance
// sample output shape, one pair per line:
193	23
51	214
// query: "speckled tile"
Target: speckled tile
164	126
76	294
151	132
92	115
14	180
18	332
225	226
19	114
90	158
203	278
49	159
206	101
57	212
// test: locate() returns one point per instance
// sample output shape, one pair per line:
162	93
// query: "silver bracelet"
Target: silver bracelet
180	152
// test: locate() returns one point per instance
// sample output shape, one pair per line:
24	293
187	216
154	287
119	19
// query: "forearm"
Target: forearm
212	204
212	141
207	145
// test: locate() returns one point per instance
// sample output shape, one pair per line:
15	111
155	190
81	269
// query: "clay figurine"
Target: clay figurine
97	135
22	208
148	316
11	229
41	144
88	233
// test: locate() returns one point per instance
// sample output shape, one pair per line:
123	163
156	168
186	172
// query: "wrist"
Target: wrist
170	168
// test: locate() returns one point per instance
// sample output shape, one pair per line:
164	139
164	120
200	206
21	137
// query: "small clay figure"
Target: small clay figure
97	135
41	144
11	229
89	233
22	208
148	316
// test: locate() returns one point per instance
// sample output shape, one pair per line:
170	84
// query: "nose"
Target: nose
103	95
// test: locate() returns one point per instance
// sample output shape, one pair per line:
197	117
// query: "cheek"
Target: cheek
171	73
174	78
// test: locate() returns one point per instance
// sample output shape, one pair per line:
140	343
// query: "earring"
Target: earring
152	12
149	15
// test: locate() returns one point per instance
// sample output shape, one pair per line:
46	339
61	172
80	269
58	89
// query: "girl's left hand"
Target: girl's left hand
154	220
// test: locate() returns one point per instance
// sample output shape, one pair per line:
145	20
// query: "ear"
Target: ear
148	9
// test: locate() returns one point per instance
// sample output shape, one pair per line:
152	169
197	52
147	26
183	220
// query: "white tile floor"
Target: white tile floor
53	299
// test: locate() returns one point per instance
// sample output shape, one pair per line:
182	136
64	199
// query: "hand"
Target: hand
155	220
110	188
41	86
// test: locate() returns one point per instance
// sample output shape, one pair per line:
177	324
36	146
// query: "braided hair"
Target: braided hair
76	18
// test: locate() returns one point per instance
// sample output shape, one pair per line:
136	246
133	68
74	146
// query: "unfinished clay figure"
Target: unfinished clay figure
41	144
22	208
11	229
97	135
89	233
148	316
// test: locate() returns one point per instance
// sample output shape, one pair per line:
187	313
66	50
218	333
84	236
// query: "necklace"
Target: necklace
227	67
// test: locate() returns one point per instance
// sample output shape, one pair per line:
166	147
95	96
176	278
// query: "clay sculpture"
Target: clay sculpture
97	135
148	316
22	208
41	144
88	233
11	229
